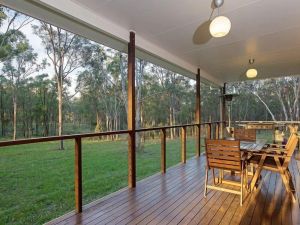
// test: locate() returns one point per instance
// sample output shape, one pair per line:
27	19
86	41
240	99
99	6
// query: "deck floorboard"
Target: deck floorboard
177	198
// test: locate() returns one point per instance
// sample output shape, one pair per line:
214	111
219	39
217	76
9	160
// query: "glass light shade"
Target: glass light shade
220	26
251	73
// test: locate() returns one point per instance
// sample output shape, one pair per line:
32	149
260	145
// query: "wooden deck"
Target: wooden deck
177	198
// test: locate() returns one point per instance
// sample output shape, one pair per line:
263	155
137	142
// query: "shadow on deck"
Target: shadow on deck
177	198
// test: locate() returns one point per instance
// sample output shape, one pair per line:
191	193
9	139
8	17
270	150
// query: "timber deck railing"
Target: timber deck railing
212	129
269	121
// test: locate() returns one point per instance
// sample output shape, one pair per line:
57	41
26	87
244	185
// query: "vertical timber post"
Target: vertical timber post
208	131
78	175
223	110
183	144
131	112
198	114
217	135
163	150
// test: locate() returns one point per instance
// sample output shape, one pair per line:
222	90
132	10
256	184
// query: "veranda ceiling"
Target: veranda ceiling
170	32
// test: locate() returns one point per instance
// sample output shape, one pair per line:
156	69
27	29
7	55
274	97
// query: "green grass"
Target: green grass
37	180
266	135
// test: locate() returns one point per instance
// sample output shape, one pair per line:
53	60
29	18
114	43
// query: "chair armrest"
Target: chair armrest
278	150
272	155
268	145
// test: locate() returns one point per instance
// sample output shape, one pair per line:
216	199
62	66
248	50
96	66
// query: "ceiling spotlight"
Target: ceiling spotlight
252	72
221	25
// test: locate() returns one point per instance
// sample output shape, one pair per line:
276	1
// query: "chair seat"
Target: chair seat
269	161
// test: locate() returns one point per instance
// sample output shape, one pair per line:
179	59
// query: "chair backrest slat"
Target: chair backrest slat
293	141
292	136
245	134
291	146
223	154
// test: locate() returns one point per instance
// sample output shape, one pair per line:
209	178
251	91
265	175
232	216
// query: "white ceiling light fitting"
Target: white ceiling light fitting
220	26
251	72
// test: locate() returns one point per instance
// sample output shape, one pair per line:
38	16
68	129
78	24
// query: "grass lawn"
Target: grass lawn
37	180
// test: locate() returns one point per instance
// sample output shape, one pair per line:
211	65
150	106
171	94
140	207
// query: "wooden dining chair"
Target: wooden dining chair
276	145
277	160
243	134
225	155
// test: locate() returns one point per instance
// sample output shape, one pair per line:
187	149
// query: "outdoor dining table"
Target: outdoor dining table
252	148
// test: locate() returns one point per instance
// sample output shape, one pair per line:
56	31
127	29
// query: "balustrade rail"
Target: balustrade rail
212	129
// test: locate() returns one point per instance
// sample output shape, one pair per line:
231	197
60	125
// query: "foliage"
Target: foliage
271	99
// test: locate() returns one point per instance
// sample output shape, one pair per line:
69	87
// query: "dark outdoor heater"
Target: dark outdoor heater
228	98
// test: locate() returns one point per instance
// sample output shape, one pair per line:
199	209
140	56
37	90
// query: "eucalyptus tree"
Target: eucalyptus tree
45	104
4	104
168	98
17	70
210	100
287	91
66	53
91	83
117	68
139	80
279	98
11	23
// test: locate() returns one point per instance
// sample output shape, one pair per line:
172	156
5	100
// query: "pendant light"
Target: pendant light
251	72
220	26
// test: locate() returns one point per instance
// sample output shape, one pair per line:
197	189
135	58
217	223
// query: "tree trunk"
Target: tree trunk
246	109
60	111
279	95
107	127
171	123
139	83
45	116
123	84
296	91
2	114
116	125
14	117
268	109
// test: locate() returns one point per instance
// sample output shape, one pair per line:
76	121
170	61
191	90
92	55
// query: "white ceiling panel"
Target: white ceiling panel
267	30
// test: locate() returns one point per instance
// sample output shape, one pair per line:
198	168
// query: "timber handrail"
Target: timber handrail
270	121
58	138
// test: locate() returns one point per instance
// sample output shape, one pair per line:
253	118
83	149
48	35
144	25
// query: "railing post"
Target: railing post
198	140
163	150
78	175
217	131
198	115
208	131
131	112
183	144
223	110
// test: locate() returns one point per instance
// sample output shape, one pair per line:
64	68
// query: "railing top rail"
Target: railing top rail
58	138
175	126
274	122
87	135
